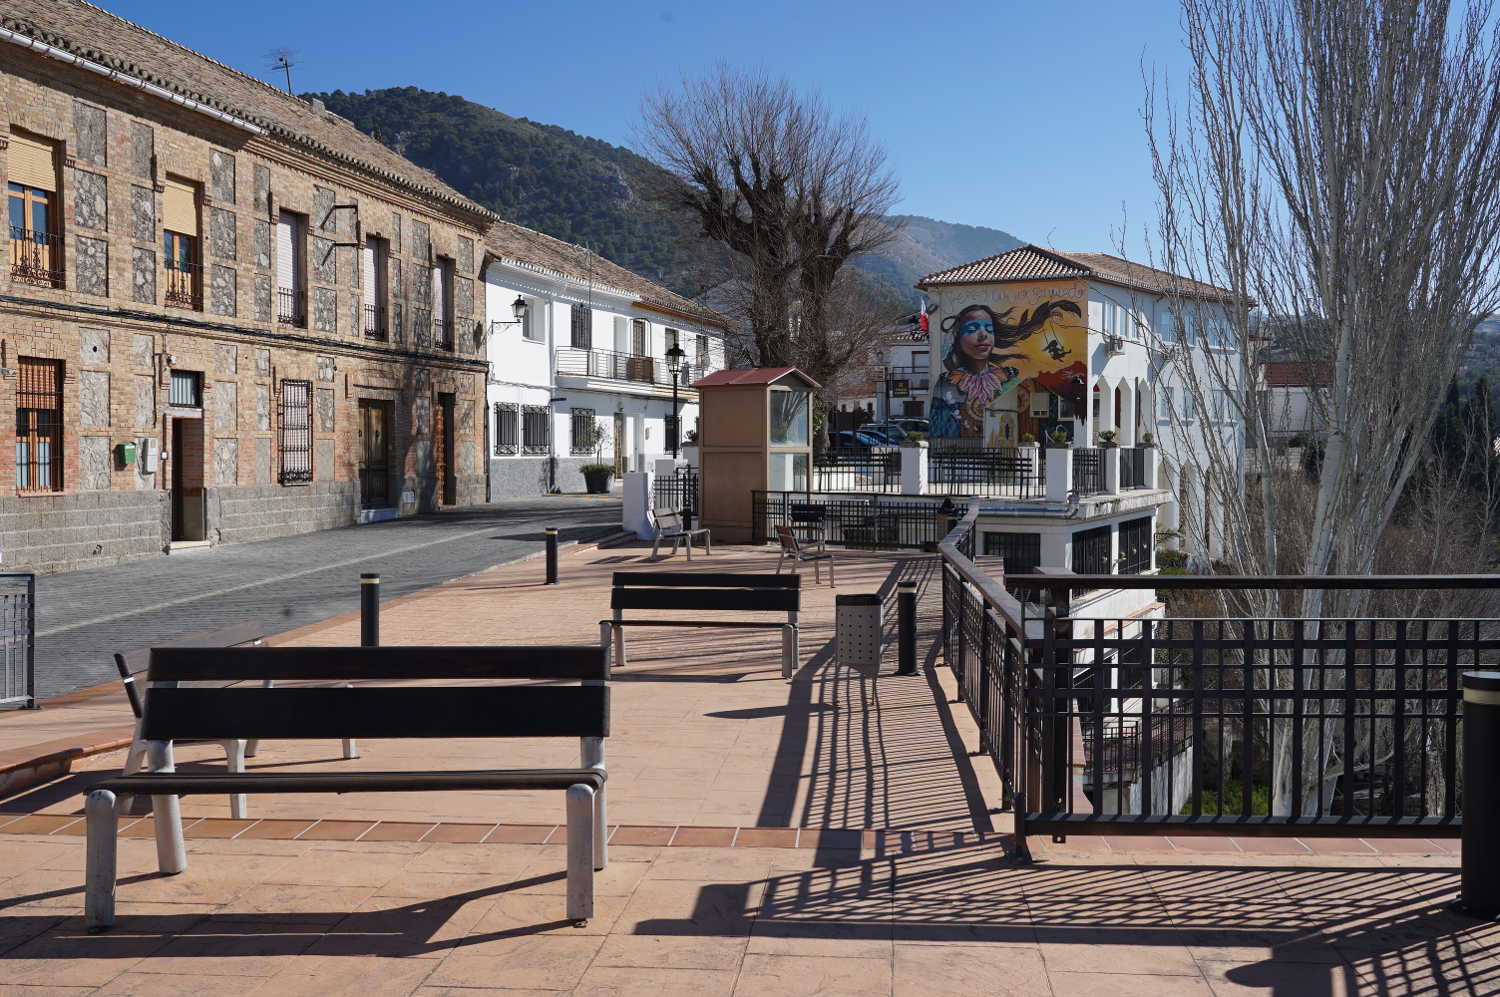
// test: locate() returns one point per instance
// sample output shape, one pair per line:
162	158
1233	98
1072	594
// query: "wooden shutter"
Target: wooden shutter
286	255
32	162
180	211
367	272
622	334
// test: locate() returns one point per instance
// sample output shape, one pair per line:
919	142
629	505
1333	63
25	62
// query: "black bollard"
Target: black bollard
369	610
1479	892
906	628
551	555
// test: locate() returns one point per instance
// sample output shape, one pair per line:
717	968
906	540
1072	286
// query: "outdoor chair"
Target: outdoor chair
667	525
808	525
792	547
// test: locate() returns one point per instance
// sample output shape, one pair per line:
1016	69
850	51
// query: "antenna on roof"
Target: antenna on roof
282	60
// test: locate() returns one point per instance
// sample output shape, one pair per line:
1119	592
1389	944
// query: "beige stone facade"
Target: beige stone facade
121	326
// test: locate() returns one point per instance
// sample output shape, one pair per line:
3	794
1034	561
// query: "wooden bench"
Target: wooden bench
718	592
133	663
240	711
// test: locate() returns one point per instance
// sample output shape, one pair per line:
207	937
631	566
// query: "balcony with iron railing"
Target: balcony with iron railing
442	333
375	323
917	379
36	258
291	307
626	367
182	284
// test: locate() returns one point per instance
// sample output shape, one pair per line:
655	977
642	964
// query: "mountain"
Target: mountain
587	191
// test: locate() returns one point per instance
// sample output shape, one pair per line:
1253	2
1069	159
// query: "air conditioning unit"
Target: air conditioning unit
1114	345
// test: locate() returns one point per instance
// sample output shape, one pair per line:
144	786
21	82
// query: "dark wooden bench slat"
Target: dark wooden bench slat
366	711
351	663
707	579
730	600
190	783
729	624
136	660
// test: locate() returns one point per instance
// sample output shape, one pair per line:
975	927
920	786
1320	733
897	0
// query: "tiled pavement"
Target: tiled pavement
824	837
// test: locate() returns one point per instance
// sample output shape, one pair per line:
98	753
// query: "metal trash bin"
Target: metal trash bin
857	632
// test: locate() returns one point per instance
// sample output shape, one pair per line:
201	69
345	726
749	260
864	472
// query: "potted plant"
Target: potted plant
1109	438
1059	438
1028	439
1147	440
596	476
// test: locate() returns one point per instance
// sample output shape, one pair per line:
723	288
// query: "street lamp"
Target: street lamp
675	356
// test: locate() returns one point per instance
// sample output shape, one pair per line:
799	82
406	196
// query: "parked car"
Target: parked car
890	430
913	425
859	440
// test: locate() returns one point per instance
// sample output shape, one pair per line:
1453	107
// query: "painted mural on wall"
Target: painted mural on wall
1002	345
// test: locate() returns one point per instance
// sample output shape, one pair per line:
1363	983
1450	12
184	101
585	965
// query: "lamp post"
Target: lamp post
675	357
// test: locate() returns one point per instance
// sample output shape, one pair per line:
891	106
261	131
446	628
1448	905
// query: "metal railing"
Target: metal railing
17	639
1123	725
1006	472
864	521
374	322
877	469
623	367
1088	470
442	333
291	307
36	258
677	491
918	379
182	284
1133	468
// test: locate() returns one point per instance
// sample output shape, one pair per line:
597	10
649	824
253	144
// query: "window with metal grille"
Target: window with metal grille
185	389
507	427
1091	552
1022	551
583	327
581	424
296	432
39	438
536	421
1135	546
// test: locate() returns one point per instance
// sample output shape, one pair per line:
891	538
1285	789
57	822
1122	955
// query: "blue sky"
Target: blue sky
1019	116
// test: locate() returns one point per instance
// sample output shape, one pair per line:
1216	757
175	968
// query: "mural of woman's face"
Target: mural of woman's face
976	336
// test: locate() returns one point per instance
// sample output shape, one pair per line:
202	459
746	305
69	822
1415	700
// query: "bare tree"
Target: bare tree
793	191
1336	163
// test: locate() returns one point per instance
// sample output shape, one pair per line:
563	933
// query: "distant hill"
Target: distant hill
587	191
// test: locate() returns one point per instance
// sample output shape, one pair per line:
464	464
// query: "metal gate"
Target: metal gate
17	628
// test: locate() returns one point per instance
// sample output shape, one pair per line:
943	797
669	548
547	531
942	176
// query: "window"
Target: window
507	427
1164	403
534	323
291	265
35	240
536	422
1091	552
789	418
373	267
702	362
179	245
1022	551
296	432
583	327
186	389
442	303
582	428
39	450
640	338
1135	546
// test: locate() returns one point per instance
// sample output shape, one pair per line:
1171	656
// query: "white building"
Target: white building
589	351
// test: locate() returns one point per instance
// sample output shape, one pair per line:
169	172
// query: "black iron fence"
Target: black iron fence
1088	470
17	633
854	520
875	469
1006	472
1133	468
677	492
1326	727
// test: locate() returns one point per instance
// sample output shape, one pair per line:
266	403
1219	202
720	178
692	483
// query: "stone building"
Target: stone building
228	314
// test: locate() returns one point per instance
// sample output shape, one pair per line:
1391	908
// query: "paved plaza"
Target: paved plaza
831	835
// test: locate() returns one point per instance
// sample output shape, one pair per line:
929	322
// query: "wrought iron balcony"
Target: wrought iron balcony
183	284
442	333
36	258
375	327
623	367
291	307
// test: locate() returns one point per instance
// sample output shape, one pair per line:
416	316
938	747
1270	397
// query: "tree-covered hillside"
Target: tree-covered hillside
589	192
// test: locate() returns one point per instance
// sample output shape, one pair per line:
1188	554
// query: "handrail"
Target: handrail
1007	605
1290	582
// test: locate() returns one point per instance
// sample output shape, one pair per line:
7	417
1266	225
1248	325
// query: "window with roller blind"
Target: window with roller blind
291	268
442	303
372	264
36	256
183	285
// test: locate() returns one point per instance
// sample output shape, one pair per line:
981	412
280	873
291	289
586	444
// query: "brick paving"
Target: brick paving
824	836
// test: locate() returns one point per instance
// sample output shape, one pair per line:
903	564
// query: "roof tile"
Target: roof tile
1036	263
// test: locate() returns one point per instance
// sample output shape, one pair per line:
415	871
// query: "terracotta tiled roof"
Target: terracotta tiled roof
94	34
1036	263
515	244
750	375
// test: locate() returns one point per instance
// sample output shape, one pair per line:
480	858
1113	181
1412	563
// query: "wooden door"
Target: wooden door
374	454
442	449
621	454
